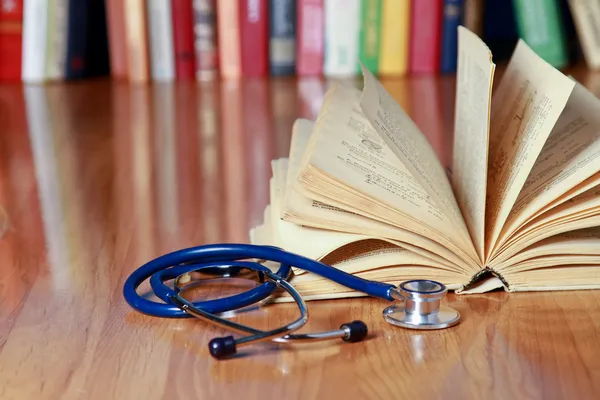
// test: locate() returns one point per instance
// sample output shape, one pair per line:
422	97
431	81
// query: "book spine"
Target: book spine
160	37
205	45
75	64
425	36
35	22
500	31
309	57
98	61
11	39
228	33
56	39
452	18
183	39
341	48
254	37
474	16
370	34
586	16
395	35
539	24
116	38
50	53
282	42
138	66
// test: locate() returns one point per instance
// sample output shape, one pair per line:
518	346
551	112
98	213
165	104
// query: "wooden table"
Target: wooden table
98	177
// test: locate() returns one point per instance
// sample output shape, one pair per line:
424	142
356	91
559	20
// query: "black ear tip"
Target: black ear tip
222	347
357	331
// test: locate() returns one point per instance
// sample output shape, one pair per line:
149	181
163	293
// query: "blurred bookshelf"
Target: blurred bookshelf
144	41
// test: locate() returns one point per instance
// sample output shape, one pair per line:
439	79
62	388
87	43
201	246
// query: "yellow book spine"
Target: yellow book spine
395	35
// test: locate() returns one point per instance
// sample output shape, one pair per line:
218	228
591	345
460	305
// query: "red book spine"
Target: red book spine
425	36
254	29
11	34
310	37
183	39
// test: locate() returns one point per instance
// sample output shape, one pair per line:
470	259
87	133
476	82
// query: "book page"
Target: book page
475	72
300	209
583	205
583	242
322	243
551	261
347	161
580	212
407	142
347	148
584	186
293	237
570	156
570	277
528	102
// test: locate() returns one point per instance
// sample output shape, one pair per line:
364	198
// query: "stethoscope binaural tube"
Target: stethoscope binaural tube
226	346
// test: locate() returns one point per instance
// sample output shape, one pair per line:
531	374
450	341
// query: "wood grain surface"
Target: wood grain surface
97	178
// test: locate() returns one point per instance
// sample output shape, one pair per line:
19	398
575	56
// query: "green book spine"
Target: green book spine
540	25
370	34
50	33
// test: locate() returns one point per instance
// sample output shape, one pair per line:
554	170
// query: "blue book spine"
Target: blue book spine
451	19
282	37
75	65
96	48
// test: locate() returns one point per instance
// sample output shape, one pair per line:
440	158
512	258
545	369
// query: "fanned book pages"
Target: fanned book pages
362	189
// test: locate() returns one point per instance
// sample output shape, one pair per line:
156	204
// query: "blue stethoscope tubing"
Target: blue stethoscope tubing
173	264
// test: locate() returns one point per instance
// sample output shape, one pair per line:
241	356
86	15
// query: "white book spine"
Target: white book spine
35	26
586	15
160	31
342	23
56	53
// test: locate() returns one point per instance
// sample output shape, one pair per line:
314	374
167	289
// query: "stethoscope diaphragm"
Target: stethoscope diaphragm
421	306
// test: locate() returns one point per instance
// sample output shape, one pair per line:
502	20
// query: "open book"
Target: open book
362	189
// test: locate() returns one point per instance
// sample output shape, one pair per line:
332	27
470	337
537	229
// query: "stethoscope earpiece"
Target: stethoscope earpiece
355	331
222	347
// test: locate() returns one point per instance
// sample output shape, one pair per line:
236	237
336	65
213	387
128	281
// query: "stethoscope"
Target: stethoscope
420	306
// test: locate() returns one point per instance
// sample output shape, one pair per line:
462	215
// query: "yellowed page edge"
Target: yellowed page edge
475	73
570	156
525	108
407	142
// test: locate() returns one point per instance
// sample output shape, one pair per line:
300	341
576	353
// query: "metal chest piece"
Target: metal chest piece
421	307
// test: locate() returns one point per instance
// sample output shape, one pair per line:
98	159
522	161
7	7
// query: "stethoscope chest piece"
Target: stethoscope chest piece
421	308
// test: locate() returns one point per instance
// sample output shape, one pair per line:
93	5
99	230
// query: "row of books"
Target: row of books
166	40
46	40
